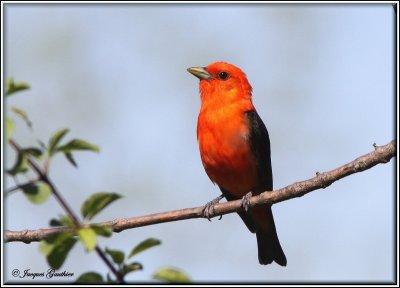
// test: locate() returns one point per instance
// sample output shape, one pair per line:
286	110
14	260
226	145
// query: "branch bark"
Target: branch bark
381	154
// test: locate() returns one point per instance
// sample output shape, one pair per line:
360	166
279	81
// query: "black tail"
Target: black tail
269	248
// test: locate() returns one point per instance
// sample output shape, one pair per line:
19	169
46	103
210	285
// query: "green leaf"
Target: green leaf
144	245
22	114
37	192
67	221
13	87
45	248
51	240
21	165
97	202
56	248
134	266
63	220
59	253
55	139
116	255
78	144
35	152
102	230
55	223
10	125
71	159
90	278
171	275
88	238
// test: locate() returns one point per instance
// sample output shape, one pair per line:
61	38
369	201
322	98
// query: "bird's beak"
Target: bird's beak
200	72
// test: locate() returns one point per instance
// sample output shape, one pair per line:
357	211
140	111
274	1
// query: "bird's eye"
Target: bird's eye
223	75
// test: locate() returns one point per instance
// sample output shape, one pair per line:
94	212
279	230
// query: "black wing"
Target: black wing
260	145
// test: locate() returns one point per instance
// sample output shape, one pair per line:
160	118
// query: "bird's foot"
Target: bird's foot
208	210
246	201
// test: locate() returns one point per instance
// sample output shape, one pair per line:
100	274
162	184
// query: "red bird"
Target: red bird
235	149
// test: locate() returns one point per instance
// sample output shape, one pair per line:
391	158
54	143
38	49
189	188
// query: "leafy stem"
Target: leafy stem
44	178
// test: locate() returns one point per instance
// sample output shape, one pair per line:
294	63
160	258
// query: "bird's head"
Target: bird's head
222	79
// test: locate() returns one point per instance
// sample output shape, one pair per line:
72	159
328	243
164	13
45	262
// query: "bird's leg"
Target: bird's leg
246	201
208	210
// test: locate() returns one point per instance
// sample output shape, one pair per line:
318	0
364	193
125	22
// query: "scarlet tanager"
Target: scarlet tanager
235	149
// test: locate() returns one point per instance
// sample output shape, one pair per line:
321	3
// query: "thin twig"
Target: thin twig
381	154
43	177
19	186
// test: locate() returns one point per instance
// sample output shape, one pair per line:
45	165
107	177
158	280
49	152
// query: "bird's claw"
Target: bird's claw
208	210
246	201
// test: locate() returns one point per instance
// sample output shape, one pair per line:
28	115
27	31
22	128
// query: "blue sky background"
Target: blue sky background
323	83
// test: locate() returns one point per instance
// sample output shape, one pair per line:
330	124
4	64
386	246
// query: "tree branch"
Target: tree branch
381	154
